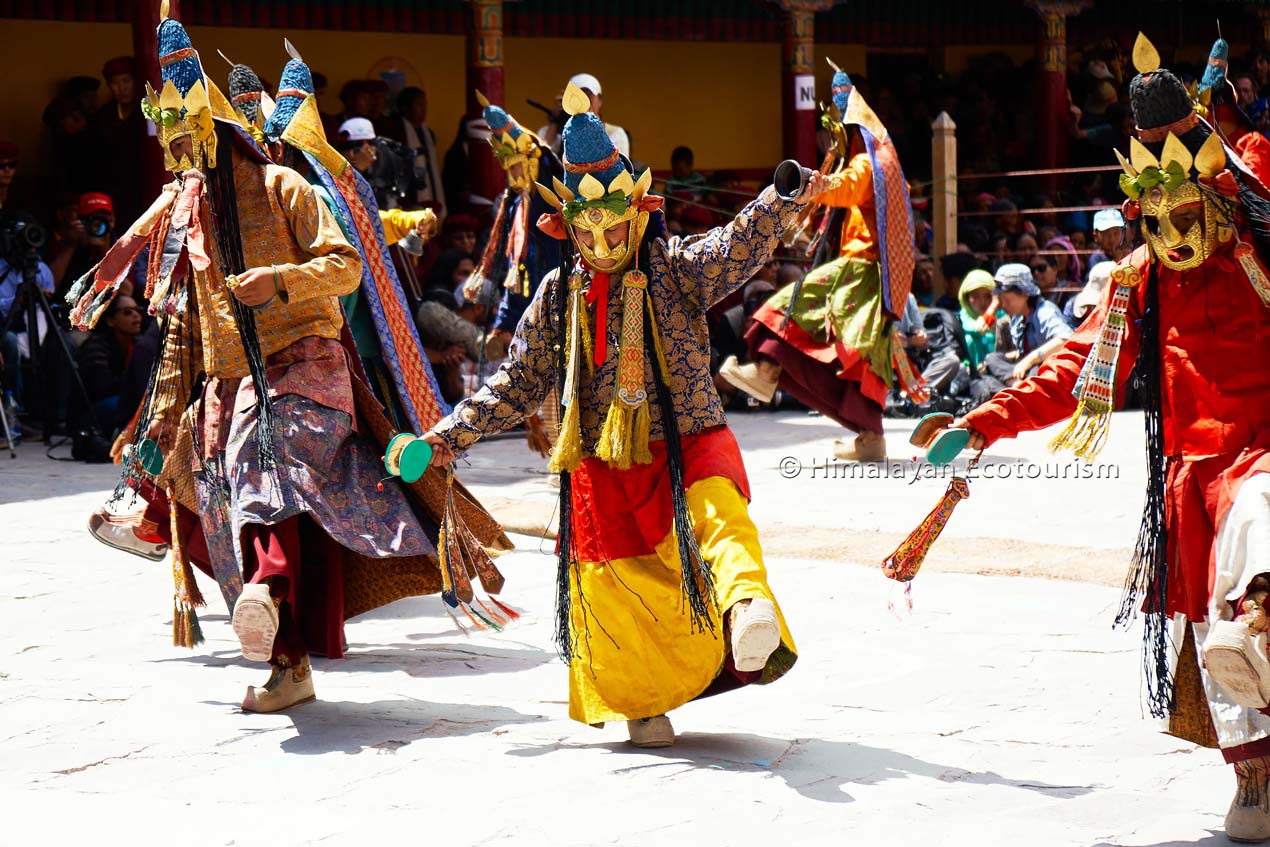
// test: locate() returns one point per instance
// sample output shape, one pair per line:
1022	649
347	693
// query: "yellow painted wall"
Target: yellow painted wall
723	100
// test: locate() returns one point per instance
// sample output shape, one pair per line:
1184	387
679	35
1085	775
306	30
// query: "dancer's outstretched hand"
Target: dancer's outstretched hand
817	184
976	442
442	456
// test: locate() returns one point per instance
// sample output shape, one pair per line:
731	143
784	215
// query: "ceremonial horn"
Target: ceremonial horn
790	179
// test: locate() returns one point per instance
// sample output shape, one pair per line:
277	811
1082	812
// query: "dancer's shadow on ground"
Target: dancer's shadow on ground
325	726
816	768
1211	840
421	662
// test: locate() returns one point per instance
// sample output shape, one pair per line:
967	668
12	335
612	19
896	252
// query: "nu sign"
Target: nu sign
804	92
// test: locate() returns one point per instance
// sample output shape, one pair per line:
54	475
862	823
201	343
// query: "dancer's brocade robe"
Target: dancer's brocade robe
639	656
1215	391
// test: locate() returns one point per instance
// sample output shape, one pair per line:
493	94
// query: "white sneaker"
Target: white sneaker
756	633
1236	658
117	531
255	622
651	732
286	687
759	380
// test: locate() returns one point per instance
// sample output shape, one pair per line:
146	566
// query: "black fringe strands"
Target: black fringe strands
1148	580
565	638
697	580
224	205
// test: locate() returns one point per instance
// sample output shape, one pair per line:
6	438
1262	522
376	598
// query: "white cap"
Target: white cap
587	81
1105	219
357	129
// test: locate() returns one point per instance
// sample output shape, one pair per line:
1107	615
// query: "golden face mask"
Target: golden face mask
519	158
175	117
597	209
1182	225
597	222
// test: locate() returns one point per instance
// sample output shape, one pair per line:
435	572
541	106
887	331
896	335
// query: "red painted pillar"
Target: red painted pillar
798	80
1054	114
484	73
145	47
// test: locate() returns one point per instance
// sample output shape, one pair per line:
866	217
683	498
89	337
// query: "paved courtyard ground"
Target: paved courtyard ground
1003	710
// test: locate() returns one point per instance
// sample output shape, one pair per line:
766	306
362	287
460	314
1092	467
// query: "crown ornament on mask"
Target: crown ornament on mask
598	192
187	104
513	146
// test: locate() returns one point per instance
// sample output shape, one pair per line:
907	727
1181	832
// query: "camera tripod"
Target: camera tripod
32	302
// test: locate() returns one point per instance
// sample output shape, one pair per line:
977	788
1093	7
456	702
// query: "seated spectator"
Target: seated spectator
1067	263
1035	331
1109	235
459	232
448	274
684	180
1024	248
115	363
1083	303
1045	274
1007	219
979	312
924	281
955	267
449	341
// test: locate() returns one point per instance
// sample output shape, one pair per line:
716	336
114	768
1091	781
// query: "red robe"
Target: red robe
1215	387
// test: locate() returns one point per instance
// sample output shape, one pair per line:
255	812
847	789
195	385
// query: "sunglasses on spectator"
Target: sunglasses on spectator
8	164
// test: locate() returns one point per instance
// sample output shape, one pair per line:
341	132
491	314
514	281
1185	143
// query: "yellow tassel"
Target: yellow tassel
567	454
1085	434
643	427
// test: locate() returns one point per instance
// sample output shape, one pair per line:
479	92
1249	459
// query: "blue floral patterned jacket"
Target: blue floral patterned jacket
686	277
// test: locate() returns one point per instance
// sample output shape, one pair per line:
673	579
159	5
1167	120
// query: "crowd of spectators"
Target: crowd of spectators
1028	265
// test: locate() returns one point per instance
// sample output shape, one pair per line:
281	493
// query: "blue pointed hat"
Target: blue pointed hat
1218	62
501	123
841	89
245	89
589	150
296	85
178	60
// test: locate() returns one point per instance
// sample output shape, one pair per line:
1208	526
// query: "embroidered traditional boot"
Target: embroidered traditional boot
651	732
1249	817
1235	654
867	447
255	622
130	533
757	379
287	686
756	633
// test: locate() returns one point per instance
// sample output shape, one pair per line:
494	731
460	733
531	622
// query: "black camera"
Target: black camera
394	168
96	226
20	236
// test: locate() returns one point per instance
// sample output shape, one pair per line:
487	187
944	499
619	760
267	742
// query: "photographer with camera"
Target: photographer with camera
20	241
380	160
409	127
82	239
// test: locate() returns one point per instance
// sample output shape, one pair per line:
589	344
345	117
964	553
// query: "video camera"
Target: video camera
97	226
20	238
394	168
